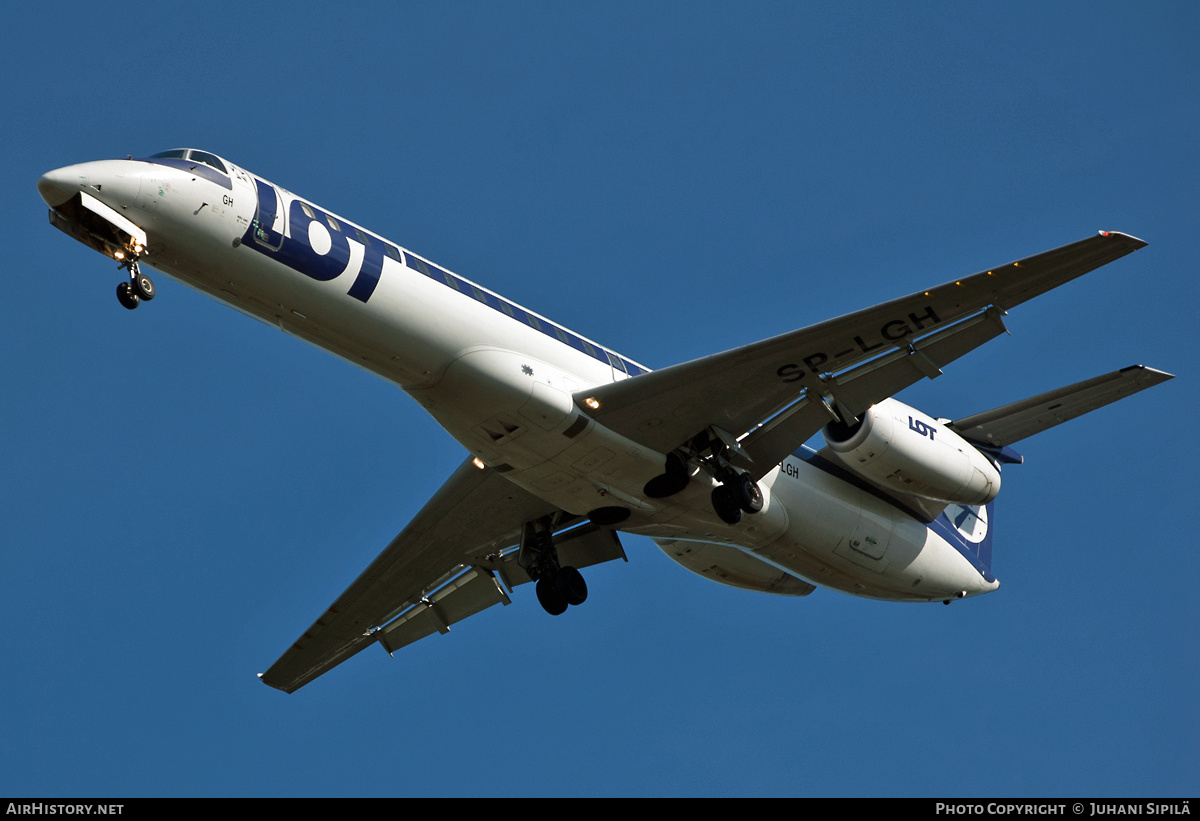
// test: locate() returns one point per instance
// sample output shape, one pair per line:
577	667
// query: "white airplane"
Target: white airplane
572	442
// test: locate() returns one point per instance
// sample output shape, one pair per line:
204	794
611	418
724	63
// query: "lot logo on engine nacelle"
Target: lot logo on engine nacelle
921	427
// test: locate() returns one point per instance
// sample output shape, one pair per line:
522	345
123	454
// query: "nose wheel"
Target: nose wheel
139	288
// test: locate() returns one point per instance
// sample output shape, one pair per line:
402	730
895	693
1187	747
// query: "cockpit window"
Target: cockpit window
209	159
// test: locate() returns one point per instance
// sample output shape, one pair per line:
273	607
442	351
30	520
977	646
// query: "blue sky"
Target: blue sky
183	489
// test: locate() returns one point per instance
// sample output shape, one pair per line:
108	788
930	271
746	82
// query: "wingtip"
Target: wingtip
1137	243
1154	373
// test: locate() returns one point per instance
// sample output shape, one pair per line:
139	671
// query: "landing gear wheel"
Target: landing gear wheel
551	600
571	586
748	494
126	296
725	503
143	287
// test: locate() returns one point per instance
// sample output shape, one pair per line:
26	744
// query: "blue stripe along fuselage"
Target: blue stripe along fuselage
294	249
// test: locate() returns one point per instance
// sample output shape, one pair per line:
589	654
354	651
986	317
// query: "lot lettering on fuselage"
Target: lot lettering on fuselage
317	244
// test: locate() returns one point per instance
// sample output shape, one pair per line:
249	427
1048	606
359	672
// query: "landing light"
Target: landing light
478	463
592	402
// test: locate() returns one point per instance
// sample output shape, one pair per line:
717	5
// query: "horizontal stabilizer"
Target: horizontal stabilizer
1019	420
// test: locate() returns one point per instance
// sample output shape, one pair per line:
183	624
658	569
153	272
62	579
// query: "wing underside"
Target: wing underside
448	563
795	383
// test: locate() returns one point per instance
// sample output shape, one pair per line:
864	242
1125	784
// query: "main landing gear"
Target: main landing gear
738	493
139	288
557	587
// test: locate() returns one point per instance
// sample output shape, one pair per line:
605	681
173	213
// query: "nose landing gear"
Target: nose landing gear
139	288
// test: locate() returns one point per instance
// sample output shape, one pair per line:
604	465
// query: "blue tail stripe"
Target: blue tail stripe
954	530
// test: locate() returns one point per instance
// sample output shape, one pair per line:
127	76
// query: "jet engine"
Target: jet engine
901	449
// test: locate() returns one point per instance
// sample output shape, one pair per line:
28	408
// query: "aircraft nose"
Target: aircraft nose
59	185
116	182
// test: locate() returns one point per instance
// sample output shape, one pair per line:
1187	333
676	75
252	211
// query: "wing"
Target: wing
1019	420
790	385
440	569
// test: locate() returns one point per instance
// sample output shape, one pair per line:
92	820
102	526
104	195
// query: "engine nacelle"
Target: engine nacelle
902	449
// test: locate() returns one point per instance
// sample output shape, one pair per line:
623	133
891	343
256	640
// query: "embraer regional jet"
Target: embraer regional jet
572	443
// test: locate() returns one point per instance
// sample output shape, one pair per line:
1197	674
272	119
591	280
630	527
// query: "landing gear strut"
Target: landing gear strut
557	587
139	288
737	492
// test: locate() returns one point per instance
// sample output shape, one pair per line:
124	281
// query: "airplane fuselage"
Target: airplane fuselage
508	383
